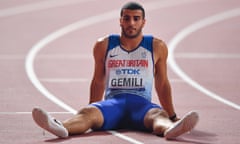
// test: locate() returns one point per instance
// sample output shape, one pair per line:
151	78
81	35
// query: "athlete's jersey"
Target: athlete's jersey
129	71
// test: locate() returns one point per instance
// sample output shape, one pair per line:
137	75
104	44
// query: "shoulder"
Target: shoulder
159	44
102	42
107	42
100	48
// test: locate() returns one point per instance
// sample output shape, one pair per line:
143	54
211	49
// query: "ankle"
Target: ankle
159	130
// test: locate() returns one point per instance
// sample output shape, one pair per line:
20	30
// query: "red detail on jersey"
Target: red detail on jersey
127	63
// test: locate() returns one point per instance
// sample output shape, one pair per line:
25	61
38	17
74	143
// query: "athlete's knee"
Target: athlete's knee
92	114
86	110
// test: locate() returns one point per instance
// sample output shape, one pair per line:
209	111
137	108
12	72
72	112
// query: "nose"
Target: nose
131	21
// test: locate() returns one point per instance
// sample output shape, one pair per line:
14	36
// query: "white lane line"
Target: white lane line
63	80
186	32
65	56
27	113
47	56
208	55
90	57
29	63
131	140
37	6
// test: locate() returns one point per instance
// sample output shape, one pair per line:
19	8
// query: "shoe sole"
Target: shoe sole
42	119
187	123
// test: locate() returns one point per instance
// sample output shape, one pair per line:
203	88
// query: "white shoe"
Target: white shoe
45	121
187	123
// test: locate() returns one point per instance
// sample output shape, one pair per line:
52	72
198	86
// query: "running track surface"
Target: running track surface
46	61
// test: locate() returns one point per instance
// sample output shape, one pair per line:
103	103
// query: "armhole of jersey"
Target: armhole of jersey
113	41
148	42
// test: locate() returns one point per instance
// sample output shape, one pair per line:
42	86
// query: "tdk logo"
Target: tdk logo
128	71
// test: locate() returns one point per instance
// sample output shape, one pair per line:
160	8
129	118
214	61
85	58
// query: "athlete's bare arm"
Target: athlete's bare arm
98	81
162	84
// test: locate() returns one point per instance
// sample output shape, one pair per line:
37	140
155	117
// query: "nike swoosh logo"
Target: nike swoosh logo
111	56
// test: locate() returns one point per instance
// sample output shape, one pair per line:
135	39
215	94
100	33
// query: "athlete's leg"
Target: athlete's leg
157	120
88	117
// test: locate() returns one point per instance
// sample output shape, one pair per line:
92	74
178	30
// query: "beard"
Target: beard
131	32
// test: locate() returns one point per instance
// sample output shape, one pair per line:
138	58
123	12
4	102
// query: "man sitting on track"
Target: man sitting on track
125	66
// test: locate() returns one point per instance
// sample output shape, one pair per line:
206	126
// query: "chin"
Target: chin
131	36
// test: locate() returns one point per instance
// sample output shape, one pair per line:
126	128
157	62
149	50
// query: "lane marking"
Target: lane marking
186	32
207	55
29	63
37	6
27	113
47	56
131	140
90	57
64	80
65	56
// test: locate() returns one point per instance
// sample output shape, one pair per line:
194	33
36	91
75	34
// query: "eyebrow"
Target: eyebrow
136	16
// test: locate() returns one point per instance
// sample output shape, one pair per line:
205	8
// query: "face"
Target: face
132	23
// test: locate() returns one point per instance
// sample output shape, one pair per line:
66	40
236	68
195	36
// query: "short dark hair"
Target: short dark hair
133	6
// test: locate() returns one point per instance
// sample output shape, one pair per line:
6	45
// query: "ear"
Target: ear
120	21
144	22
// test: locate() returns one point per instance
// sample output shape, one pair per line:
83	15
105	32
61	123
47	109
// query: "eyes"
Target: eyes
127	18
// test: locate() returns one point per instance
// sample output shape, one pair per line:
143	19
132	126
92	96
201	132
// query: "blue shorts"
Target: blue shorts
124	111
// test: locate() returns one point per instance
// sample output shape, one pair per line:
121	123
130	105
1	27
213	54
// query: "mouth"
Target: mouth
131	29
130	32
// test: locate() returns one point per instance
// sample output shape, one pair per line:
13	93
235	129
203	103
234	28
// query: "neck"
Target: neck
130	43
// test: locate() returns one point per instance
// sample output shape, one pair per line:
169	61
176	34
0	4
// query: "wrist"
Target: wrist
173	117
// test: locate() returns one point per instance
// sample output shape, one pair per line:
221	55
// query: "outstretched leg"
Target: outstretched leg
158	121
89	117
